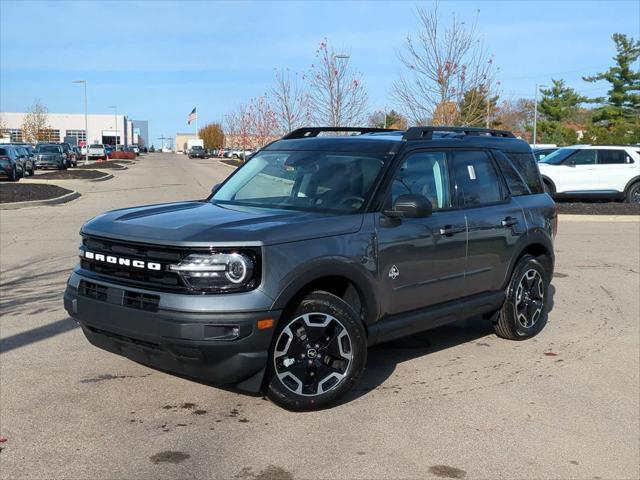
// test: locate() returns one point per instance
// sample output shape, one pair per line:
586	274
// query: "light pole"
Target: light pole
535	114
86	123
115	122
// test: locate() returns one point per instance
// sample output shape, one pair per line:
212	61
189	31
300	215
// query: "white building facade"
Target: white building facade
103	128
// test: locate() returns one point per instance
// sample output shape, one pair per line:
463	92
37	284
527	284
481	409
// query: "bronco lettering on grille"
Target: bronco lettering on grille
100	257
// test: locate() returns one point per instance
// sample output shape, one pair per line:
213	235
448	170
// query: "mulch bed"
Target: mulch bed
599	208
107	164
232	161
70	175
16	192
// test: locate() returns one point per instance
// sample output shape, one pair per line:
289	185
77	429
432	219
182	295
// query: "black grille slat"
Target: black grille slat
141	301
137	300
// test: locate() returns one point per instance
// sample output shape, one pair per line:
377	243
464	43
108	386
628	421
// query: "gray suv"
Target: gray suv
324	243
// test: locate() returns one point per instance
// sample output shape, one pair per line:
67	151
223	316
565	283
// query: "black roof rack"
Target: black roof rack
426	133
306	132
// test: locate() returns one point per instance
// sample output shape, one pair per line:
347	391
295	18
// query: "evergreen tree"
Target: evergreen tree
559	102
623	100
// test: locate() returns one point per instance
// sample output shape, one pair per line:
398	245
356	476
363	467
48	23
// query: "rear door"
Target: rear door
615	168
495	221
421	261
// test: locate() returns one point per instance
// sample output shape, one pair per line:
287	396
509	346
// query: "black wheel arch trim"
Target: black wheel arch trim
635	179
535	238
363	281
550	182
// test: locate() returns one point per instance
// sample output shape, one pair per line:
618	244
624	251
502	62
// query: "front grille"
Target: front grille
162	279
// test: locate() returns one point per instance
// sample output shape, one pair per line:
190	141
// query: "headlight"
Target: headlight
233	271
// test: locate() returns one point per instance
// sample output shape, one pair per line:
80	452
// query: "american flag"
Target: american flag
193	116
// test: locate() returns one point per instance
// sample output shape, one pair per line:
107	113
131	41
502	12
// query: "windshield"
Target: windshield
96	145
558	156
303	180
47	149
197	147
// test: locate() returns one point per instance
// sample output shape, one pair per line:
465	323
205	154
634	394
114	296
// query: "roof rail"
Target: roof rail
306	132
426	133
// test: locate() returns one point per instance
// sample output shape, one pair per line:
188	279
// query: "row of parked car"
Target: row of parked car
199	152
18	160
609	172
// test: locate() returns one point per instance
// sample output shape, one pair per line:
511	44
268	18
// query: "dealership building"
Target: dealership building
102	128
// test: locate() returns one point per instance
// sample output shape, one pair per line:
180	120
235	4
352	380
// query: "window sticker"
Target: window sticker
472	172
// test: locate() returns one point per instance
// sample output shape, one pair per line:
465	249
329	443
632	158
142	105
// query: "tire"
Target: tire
14	175
633	193
548	189
327	343
62	166
235	156
524	312
32	172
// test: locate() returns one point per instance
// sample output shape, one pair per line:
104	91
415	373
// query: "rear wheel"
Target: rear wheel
318	354
14	177
633	193
524	313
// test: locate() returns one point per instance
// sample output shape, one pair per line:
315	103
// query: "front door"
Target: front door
422	260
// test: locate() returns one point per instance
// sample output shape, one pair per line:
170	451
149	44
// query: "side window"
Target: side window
609	157
583	157
527	167
476	179
424	173
515	182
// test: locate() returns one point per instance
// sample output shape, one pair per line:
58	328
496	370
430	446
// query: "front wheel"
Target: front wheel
524	313
318	354
633	194
14	177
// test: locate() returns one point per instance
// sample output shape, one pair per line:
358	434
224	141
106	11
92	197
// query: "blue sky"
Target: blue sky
156	60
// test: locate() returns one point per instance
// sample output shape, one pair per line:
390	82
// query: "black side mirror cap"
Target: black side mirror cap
410	206
215	188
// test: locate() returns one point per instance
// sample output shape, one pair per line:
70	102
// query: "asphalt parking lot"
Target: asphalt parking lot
456	402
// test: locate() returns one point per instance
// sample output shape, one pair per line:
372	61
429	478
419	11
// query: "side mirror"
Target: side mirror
570	163
410	206
215	188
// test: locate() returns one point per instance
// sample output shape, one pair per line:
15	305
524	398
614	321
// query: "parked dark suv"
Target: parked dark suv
318	247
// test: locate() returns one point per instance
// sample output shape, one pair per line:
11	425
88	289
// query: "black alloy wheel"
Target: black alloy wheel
524	313
318	353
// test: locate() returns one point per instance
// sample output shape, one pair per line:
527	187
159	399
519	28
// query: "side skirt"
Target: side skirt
408	323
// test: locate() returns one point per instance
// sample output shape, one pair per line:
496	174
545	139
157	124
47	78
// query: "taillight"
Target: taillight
554	221
5	163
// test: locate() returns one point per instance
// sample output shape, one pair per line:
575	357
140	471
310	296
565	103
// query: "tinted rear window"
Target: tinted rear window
528	169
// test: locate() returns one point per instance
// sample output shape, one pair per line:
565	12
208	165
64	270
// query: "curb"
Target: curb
108	176
568	217
37	203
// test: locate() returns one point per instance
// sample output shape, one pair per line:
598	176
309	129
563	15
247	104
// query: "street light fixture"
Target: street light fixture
86	123
535	114
115	122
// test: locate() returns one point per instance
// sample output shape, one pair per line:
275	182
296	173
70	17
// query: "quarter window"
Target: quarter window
424	173
609	157
527	166
515	182
476	179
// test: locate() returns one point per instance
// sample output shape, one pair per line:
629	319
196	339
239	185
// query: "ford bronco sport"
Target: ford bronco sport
325	242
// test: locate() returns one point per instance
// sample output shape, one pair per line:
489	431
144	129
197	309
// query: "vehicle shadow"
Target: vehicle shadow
384	358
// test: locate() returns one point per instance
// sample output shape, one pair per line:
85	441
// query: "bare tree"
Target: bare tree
337	95
290	101
237	126
450	78
35	125
263	124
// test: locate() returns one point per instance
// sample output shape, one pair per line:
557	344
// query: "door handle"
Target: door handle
509	222
449	230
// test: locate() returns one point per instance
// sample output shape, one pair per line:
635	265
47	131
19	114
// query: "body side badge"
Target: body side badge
394	272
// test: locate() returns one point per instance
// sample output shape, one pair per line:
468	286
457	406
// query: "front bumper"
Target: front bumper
199	345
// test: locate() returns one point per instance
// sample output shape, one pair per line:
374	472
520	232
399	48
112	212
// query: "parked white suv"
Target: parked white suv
597	171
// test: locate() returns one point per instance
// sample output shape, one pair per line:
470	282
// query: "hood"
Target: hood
203	223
